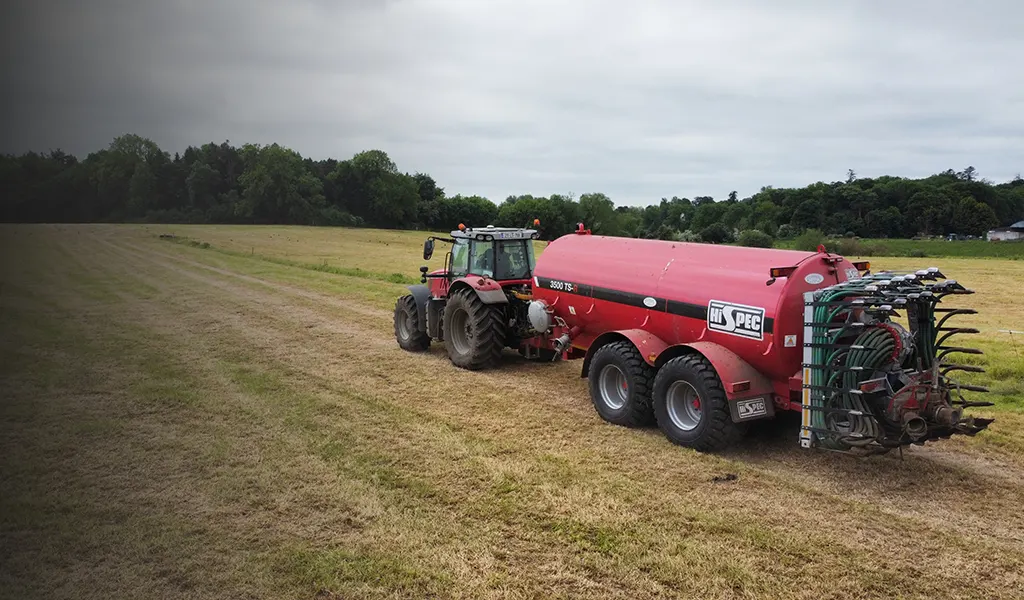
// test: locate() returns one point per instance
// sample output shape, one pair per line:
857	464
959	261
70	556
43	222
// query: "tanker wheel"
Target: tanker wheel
409	332
691	406
474	332
620	385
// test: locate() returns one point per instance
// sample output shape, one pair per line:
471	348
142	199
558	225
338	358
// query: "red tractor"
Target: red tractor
478	303
703	339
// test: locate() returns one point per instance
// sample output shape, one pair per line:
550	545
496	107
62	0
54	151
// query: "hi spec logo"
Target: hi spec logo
736	319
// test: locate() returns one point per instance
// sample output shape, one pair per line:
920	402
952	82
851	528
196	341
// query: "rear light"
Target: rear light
740	386
782	271
862	265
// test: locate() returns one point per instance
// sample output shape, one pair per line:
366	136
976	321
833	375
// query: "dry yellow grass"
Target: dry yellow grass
181	422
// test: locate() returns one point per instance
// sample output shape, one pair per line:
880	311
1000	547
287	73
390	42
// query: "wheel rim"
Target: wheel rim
684	406
459	333
405	325
613	387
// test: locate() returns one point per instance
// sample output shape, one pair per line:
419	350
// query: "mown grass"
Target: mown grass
181	422
382	255
322	267
383	252
921	248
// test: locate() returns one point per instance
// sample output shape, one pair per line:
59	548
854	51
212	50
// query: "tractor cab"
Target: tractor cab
504	254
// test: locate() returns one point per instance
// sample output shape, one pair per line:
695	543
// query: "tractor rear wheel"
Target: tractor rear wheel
691	406
409	332
474	332
620	384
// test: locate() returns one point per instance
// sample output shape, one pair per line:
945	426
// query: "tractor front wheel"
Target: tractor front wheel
474	332
409	332
691	406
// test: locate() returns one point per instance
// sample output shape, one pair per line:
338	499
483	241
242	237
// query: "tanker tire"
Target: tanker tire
714	428
409	332
610	361
480	344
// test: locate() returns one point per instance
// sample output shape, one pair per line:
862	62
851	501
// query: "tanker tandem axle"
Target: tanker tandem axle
703	339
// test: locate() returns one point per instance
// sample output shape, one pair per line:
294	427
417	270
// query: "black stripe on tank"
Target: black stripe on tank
686	309
673	307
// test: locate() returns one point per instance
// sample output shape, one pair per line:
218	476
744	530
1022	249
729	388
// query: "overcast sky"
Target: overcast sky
639	99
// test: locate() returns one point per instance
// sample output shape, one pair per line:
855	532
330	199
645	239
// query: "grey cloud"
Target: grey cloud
641	100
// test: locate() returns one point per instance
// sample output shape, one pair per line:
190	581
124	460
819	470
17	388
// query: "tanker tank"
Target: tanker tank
686	292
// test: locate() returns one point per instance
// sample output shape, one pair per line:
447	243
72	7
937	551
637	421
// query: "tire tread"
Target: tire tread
488	323
419	341
720	431
639	413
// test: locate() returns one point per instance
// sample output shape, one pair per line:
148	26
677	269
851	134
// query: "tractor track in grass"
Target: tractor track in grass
779	461
515	466
228	274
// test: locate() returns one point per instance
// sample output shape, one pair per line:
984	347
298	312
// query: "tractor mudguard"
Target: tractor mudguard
421	294
649	345
487	289
748	390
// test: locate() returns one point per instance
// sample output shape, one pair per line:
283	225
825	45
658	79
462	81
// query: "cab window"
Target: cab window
482	259
514	259
460	258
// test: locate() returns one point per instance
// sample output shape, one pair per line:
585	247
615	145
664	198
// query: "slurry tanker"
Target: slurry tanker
703	339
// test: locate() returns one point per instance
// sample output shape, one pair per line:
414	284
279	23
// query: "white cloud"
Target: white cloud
639	100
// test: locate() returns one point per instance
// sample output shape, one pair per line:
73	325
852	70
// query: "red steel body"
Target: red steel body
684	293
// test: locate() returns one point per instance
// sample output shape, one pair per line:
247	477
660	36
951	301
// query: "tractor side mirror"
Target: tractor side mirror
428	249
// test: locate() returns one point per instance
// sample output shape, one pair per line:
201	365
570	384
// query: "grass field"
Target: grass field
236	420
933	248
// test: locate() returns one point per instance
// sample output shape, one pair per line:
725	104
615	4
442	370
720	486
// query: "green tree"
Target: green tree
473	211
887	223
930	210
276	187
808	215
141	190
706	214
716	233
598	214
755	239
201	185
972	217
430	196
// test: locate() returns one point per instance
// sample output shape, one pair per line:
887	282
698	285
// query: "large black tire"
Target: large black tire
474	332
691	406
620	385
410	333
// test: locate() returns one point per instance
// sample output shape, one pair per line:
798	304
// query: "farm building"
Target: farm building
1012	233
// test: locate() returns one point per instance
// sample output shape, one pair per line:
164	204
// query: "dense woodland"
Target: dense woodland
133	180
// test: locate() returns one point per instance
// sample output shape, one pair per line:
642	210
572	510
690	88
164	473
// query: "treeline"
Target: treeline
133	180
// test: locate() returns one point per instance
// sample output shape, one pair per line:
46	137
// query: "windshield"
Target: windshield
514	259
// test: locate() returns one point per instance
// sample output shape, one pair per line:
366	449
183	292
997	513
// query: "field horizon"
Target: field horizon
223	411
